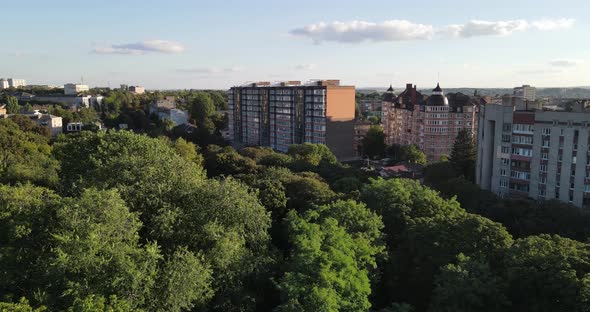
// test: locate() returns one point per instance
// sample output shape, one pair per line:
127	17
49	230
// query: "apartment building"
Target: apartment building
16	83
136	89
4	84
74	88
289	112
430	122
534	153
526	92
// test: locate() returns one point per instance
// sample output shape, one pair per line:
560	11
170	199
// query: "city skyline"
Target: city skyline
202	45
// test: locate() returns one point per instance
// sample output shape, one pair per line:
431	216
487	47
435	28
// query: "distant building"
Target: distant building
432	123
74	127
4	84
526	92
166	109
2	110
533	153
285	113
74	101
74	88
54	123
124	87
16	83
136	89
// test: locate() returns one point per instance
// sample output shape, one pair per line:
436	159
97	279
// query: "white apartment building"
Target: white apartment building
74	88
4	84
16	83
536	154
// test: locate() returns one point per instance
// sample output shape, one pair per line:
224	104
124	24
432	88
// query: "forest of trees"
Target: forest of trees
120	221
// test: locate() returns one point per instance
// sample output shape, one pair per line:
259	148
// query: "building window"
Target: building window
503	172
507	126
505	161
545	155
505	149
505	138
543	168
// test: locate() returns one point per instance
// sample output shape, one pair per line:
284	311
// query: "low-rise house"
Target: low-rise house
53	123
166	109
402	170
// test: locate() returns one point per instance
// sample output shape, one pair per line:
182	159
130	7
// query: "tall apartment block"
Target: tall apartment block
534	153
430	122
285	113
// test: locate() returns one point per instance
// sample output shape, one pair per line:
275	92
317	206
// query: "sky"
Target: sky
182	44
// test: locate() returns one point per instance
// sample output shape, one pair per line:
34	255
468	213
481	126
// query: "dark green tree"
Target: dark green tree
463	155
374	142
12	106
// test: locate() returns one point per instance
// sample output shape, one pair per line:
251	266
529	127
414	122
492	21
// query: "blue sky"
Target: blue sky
217	44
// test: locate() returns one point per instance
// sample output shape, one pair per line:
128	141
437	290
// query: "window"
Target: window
574	159
543	180
543	168
505	161
587	188
505	138
572	186
503	172
541	192
505	149
573	173
546	143
507	126
545	155
503	183
556	193
546	131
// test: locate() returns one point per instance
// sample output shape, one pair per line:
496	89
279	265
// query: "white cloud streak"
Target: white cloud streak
403	30
306	66
209	70
143	47
564	63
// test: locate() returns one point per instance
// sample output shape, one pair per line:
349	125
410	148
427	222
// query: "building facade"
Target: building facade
4	84
16	83
137	89
74	88
537	154
430	122
526	92
280	114
361	128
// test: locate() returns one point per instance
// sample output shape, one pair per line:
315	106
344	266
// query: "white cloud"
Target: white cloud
539	71
553	24
306	66
477	28
403	30
137	48
359	31
564	63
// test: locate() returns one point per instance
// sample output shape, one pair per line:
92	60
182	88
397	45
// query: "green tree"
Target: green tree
374	142
469	285
22	306
25	156
413	154
201	107
324	273
463	155
188	151
97	251
94	303
548	273
311	154
12	106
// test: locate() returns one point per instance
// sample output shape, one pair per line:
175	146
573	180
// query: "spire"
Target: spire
437	87
390	88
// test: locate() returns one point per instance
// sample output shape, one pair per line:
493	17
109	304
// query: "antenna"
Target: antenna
81	79
437	76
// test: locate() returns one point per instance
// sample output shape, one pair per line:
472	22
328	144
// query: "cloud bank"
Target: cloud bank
306	66
144	47
209	70
564	63
403	30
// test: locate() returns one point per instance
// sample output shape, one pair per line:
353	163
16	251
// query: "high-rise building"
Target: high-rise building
526	92
285	113
74	88
4	84
16	83
534	153
432	123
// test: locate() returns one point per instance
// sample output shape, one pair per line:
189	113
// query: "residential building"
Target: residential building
361	128
16	83
177	116
74	88
526	92
166	109
285	113
74	127
4	84
54	123
74	101
2	110
430	122
137	89
538	154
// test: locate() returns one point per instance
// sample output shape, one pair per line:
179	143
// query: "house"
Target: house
54	123
402	170
166	109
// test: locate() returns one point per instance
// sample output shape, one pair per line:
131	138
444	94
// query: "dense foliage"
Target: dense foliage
119	221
